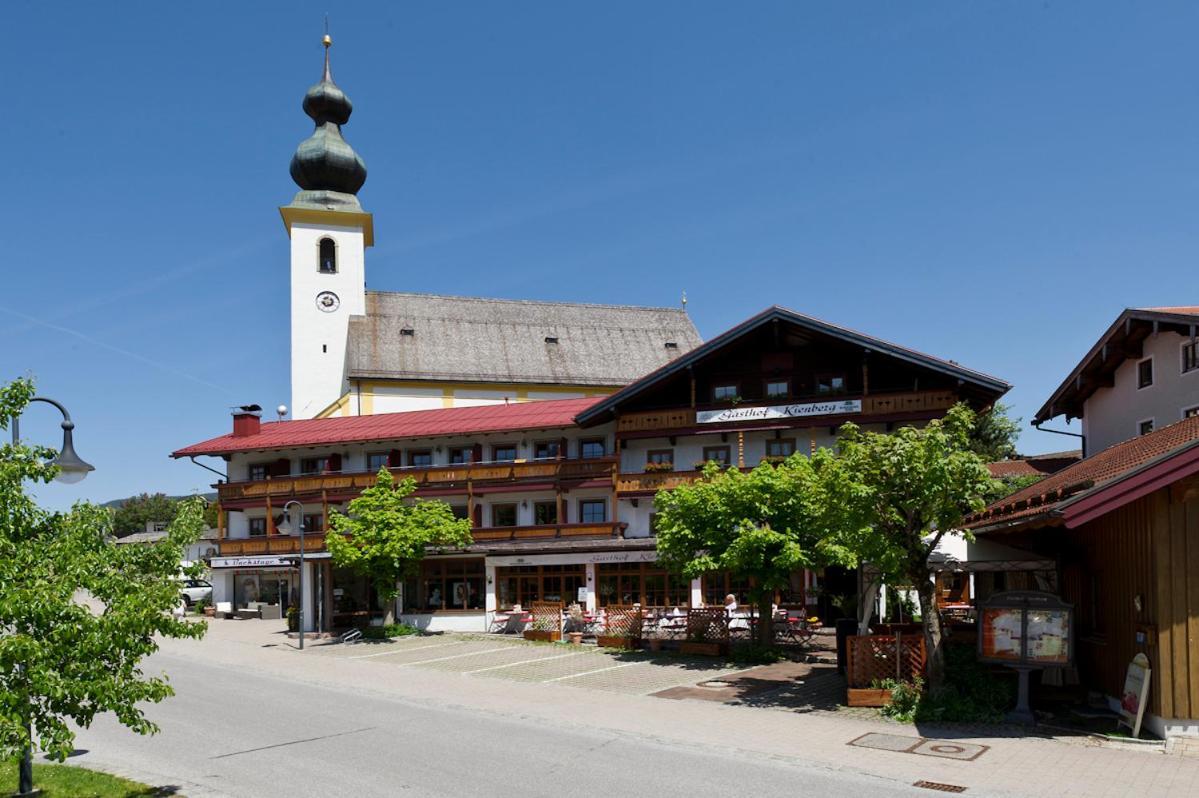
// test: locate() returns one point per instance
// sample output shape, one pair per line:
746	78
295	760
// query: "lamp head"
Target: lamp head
71	467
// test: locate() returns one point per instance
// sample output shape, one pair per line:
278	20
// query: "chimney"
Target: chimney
247	421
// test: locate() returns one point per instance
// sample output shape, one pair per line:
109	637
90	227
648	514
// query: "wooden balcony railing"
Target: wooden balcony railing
435	476
315	541
872	405
654	482
490	534
272	544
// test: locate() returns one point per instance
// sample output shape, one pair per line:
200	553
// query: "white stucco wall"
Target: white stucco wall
318	339
1113	415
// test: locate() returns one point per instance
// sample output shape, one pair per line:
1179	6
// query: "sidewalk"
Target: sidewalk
1005	765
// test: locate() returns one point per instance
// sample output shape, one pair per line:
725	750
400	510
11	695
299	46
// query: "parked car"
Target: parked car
196	590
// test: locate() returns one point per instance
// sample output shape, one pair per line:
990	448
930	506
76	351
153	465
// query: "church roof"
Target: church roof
406	336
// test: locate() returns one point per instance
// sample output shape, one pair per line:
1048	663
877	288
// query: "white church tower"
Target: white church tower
329	234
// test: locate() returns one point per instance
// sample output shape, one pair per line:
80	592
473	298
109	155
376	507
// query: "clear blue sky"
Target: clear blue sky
987	182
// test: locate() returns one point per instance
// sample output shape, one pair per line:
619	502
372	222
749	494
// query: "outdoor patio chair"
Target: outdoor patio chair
499	622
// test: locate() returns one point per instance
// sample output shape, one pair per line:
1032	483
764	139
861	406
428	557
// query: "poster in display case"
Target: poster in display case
1026	628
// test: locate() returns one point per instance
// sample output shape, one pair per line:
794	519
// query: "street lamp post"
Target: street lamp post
71	469
300	527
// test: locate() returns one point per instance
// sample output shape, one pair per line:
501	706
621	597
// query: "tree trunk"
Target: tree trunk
766	621
932	629
866	604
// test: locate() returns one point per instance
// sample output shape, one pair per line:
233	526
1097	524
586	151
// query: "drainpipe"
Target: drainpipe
224	477
1080	436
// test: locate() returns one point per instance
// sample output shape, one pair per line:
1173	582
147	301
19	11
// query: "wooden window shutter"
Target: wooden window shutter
335	462
562	448
395	458
281	467
476	453
478	519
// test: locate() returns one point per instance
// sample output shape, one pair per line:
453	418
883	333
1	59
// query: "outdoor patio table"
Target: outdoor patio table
516	623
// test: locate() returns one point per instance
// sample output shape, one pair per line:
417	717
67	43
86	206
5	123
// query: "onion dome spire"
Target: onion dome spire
326	168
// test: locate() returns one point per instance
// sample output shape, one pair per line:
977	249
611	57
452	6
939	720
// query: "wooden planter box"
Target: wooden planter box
535	634
868	697
605	641
702	649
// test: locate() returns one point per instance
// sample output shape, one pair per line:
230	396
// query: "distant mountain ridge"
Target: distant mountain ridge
116	503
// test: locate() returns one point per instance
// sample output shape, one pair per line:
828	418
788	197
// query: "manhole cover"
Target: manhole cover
715	684
904	744
950	749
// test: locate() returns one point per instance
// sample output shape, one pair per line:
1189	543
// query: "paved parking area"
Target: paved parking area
631	673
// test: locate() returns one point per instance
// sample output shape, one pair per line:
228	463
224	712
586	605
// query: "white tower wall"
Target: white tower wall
318	337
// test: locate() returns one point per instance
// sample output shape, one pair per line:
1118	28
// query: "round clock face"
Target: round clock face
327	301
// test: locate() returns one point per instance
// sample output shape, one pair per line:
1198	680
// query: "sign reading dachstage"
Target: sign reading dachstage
779	411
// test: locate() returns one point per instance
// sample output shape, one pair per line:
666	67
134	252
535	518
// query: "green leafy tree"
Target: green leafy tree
385	536
1006	486
994	434
136	511
917	486
78	613
763	525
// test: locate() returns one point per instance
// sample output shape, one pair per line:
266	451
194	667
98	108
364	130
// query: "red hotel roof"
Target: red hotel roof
513	417
1069	493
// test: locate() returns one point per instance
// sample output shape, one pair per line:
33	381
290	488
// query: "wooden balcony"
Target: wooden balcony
881	404
313	542
284	488
654	482
547	531
272	544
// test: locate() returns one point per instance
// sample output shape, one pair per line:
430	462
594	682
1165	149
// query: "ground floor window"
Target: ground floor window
646	584
719	585
265	587
355	600
528	583
450	584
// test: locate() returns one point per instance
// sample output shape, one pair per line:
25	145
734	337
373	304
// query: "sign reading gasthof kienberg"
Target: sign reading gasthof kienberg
779	411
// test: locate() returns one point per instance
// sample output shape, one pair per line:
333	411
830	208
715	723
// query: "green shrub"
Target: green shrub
756	655
389	631
906	699
971	694
200	606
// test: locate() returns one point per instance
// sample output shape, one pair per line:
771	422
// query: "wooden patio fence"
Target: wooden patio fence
872	658
707	625
547	616
623	622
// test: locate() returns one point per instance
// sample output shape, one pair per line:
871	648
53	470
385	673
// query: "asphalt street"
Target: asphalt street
232	733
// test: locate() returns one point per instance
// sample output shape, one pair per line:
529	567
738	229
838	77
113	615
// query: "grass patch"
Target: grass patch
65	781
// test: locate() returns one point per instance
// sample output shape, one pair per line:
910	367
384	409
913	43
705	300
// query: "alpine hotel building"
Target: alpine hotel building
549	425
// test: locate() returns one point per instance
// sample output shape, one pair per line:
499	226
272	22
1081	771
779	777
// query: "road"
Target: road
232	733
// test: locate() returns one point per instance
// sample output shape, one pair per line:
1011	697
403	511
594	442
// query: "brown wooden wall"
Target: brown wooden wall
1108	562
1176	546
1150	549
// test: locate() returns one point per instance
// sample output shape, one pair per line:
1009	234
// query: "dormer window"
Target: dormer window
328	256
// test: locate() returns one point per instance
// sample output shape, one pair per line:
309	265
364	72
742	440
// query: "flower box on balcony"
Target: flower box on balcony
656	468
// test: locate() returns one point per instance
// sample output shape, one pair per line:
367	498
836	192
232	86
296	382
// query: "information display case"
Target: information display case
1026	630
